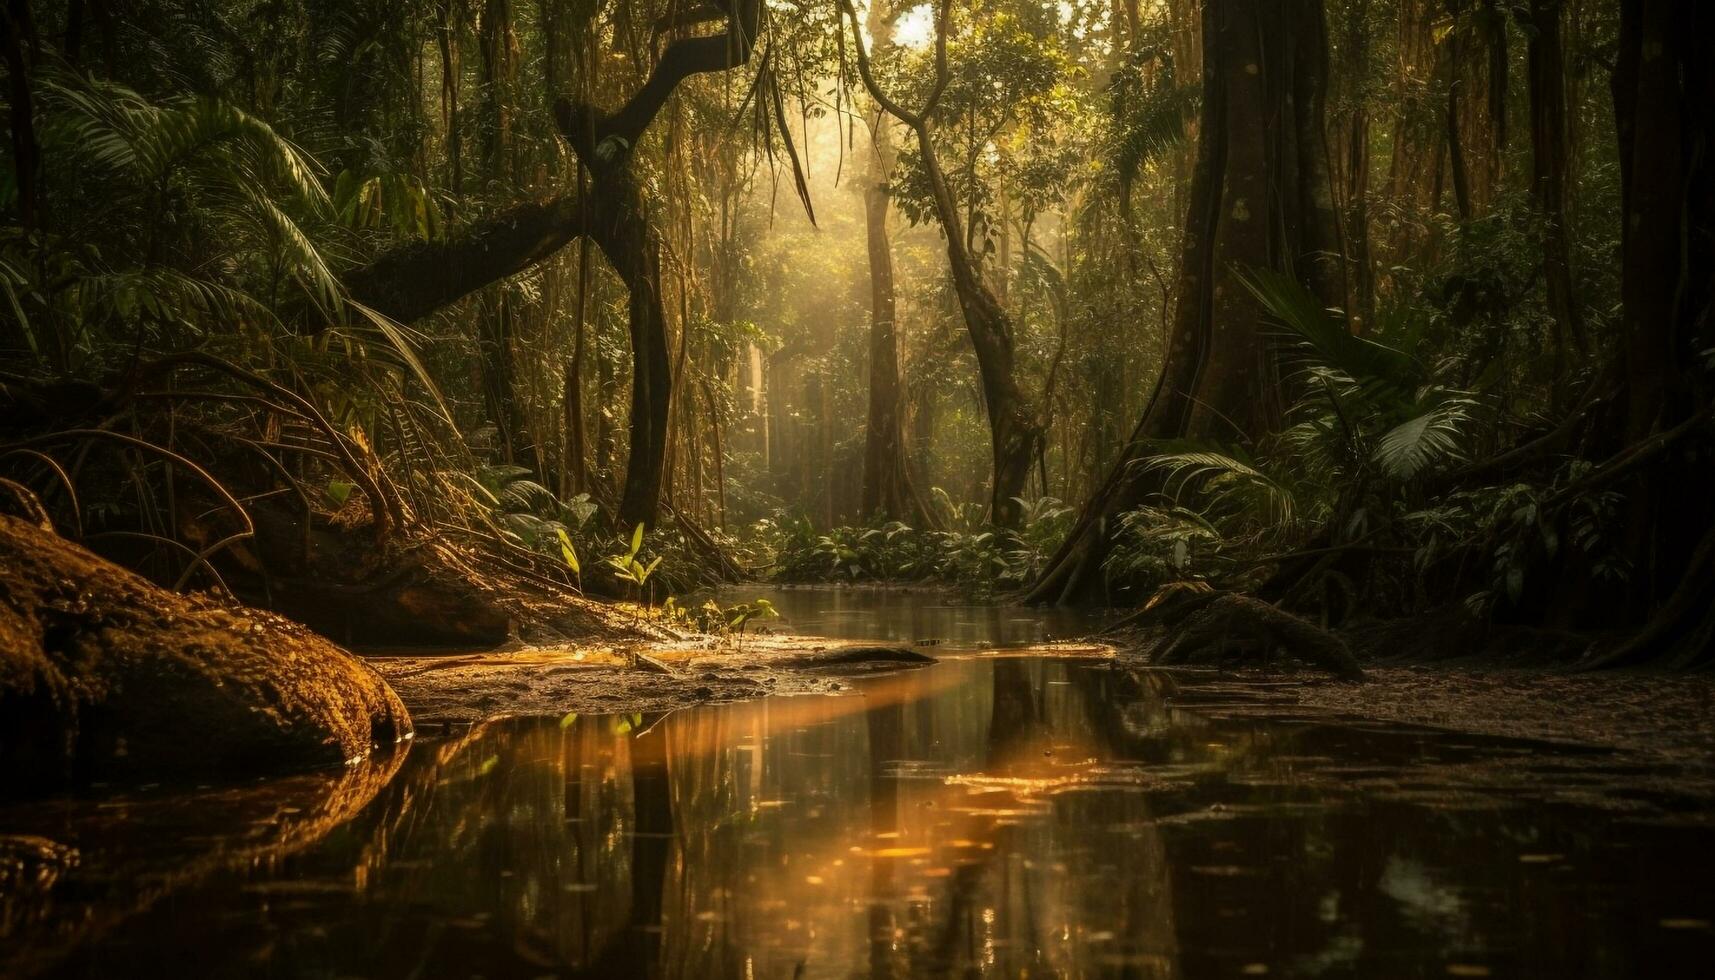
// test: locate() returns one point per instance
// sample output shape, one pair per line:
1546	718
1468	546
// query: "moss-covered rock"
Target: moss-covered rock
104	675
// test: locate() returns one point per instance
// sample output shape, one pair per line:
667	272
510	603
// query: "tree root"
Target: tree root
1212	625
1680	634
16	500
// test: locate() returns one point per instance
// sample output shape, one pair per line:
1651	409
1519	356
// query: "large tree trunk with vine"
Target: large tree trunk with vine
1663	87
1015	431
1259	199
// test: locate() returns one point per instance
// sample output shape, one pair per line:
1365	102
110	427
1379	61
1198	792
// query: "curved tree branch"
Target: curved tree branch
412	281
892	108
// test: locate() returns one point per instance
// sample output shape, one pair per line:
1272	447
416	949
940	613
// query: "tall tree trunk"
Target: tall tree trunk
496	323
499	66
1015	434
1418	143
1349	159
576	466
498	315
620	224
19	42
1455	141
1549	180
1316	253
1259	198
886	482
1663	85
1668	261
1361	290
446	39
886	490
607	393
20	55
1015	431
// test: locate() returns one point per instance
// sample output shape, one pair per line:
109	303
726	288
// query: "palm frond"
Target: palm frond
398	336
1378	368
305	259
121	131
167	293
1227	481
1433	437
1154	126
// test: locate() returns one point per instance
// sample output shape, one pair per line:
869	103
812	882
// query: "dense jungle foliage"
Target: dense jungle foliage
1369	308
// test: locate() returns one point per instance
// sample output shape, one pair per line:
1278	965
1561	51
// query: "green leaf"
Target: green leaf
569	719
636	540
569	553
338	491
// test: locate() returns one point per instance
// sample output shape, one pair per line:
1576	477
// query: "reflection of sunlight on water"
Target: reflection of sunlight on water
995	816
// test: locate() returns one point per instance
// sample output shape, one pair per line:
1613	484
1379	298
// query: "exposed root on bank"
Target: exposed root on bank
1680	634
198	473
106	676
1213	626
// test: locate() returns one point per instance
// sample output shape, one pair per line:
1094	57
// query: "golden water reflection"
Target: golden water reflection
984	817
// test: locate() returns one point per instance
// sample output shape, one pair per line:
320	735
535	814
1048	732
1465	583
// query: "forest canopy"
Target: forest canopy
1368	309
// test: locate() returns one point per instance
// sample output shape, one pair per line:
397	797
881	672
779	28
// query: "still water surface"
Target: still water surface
993	815
916	616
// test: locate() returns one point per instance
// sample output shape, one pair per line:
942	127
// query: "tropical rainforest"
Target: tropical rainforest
1267	445
1367	309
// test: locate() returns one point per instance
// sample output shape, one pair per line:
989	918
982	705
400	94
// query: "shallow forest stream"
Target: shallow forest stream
1004	812
787	489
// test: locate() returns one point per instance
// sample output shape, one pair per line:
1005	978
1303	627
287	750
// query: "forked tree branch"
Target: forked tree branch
412	281
682	59
920	118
